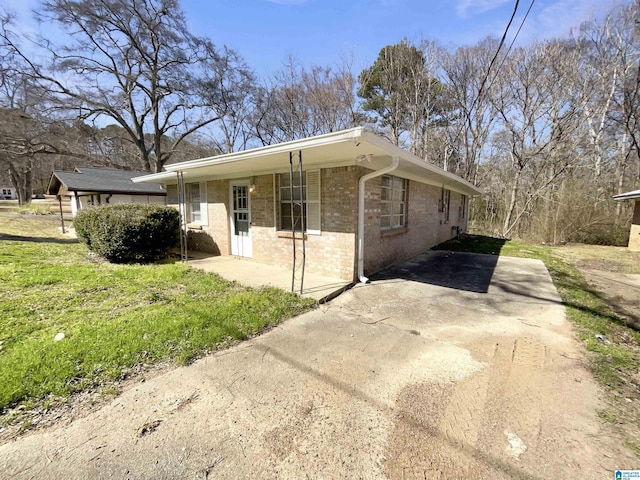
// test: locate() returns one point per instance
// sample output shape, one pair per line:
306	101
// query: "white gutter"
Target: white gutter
353	134
380	142
394	164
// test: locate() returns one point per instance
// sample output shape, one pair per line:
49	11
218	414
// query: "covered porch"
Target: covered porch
255	274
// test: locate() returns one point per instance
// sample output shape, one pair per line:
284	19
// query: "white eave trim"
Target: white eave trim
320	140
155	177
396	151
358	134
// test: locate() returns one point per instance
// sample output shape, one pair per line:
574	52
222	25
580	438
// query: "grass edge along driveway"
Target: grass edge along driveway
614	362
113	317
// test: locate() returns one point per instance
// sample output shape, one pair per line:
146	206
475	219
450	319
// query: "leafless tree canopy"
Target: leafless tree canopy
548	130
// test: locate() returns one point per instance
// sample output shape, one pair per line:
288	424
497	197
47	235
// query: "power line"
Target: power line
515	37
504	37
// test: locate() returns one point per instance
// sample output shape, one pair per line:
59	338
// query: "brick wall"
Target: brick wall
213	237
332	252
425	224
218	214
634	234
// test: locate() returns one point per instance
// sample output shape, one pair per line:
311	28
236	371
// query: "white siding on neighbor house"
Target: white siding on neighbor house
8	193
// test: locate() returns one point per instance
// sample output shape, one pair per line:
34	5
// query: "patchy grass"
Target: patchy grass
474	244
598	257
615	356
41	227
34	208
48	206
585	307
114	317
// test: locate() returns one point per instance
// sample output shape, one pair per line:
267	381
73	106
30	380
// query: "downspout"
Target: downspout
394	164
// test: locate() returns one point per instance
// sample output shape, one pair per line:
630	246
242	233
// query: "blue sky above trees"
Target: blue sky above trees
318	32
321	32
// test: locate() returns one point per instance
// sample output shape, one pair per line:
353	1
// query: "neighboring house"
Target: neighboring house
87	186
367	203
8	193
634	234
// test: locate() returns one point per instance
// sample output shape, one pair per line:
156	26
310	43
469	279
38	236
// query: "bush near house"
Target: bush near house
129	233
118	320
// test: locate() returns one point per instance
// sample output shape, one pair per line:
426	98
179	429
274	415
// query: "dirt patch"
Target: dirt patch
613	273
598	257
621	291
523	416
56	412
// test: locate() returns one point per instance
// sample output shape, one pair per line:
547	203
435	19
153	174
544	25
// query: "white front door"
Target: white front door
240	219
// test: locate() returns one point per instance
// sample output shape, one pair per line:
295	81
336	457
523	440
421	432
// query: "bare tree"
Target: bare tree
303	102
537	111
473	114
134	63
231	94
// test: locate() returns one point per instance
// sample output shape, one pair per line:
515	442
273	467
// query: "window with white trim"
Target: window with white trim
462	209
310	201
445	204
393	202
196	203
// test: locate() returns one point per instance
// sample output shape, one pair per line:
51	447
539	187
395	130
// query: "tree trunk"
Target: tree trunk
506	228
22	180
620	173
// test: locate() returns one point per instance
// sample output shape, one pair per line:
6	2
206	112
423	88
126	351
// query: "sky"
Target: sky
324	32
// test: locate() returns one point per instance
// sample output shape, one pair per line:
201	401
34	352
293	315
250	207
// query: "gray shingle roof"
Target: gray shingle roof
103	180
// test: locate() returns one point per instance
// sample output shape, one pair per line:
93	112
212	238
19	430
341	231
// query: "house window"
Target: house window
196	203
445	203
305	209
393	202
462	209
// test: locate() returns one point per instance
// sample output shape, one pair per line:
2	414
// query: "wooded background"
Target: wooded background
549	131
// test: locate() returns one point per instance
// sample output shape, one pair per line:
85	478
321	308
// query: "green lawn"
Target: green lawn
113	316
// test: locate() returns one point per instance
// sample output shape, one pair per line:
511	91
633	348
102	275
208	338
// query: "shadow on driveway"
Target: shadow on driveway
470	272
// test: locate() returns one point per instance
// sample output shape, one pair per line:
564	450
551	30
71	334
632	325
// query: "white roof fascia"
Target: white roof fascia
155	177
358	134
320	140
409	157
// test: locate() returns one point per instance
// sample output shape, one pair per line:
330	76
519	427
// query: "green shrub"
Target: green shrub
129	233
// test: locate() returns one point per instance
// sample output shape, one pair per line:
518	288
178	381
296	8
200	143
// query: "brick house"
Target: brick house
634	234
364	203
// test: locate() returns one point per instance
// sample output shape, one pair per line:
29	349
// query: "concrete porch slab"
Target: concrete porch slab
254	274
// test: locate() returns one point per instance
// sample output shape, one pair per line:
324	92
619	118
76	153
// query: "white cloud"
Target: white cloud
559	17
465	7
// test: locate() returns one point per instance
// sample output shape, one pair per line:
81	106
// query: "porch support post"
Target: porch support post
182	209
61	215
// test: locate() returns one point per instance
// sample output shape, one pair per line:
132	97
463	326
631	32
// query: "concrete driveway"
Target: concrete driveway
447	366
